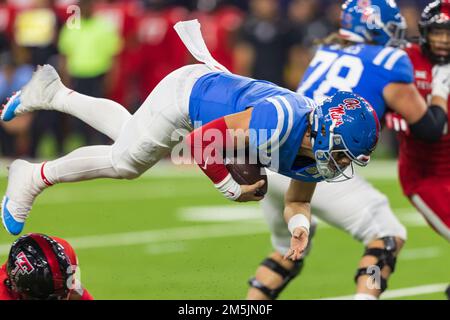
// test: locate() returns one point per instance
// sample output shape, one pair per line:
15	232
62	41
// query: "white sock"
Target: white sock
104	115
364	296
86	163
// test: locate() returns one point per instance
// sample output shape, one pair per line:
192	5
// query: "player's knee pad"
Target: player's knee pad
286	275
385	256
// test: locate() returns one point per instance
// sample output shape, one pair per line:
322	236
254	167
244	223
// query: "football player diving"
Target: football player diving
288	133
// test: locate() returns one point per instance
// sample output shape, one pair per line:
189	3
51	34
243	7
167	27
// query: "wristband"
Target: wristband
297	221
229	188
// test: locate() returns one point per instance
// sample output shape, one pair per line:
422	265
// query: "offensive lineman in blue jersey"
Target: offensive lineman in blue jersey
362	58
311	142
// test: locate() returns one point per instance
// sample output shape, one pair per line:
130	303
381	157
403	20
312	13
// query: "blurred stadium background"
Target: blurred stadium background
170	235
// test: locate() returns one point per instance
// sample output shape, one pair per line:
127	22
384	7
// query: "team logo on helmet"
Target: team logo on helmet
363	4
23	265
337	113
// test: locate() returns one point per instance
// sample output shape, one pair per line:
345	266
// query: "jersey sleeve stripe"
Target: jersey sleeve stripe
394	58
274	142
290	111
382	55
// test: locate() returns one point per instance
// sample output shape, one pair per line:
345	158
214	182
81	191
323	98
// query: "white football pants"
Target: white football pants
141	140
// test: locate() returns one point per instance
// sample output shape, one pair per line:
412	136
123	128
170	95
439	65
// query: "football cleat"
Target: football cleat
20	195
38	94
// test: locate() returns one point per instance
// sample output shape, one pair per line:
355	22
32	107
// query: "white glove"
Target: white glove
441	81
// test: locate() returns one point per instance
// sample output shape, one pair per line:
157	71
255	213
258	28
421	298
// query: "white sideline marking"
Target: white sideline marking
162	235
405	292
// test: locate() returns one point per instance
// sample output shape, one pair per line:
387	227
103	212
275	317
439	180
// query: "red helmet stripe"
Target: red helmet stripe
378	125
445	7
52	260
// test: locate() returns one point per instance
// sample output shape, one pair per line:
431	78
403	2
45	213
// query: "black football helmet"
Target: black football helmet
435	15
39	269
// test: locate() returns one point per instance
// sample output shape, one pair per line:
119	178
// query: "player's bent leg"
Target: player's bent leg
431	200
272	276
24	185
45	91
275	273
376	266
144	139
370	221
158	124
27	180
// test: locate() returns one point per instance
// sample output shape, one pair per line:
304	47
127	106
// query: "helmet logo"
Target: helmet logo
23	265
352	104
371	16
338	112
336	115
362	4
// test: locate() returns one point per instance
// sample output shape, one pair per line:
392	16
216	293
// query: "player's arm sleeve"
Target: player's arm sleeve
206	145
432	126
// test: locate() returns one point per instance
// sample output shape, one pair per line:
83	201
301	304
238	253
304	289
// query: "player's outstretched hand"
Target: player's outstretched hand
299	242
248	192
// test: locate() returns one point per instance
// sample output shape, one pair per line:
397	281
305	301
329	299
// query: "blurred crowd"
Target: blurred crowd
121	49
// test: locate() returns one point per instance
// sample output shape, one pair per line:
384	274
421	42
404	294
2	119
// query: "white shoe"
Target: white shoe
20	195
38	94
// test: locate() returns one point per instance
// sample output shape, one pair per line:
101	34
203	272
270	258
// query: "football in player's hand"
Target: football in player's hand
248	174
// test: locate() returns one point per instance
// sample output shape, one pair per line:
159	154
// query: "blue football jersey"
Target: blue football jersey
277	126
363	69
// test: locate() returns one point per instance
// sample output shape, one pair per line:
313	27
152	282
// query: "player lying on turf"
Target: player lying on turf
40	267
299	139
362	58
424	168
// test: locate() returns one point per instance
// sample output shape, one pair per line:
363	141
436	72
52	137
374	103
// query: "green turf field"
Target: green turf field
147	239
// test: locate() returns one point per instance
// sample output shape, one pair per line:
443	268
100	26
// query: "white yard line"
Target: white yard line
405	292
166	248
162	235
378	169
230	213
420	253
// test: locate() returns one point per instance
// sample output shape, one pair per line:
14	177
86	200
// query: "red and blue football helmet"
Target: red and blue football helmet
344	125
373	21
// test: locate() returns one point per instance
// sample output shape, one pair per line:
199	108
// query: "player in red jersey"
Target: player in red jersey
161	49
424	168
40	267
6	19
220	23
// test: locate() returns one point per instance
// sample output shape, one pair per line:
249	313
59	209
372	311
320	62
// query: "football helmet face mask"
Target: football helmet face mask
373	21
435	20
345	131
39	269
